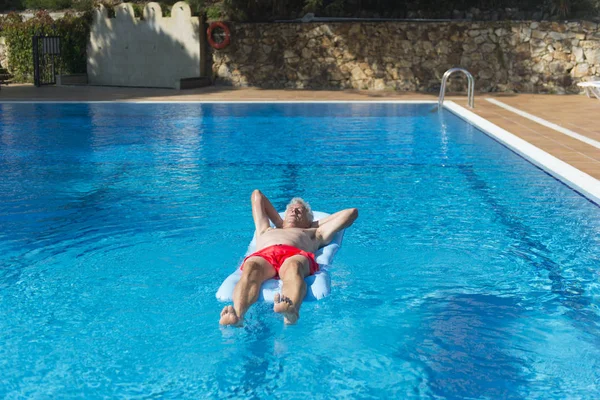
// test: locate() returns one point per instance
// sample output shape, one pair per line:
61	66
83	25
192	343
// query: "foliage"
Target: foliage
197	6
110	10
53	5
269	10
233	11
47	4
138	10
73	30
561	7
83	5
311	6
214	12
577	8
10	5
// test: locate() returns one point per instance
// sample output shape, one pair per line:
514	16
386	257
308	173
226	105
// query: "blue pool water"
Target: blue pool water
470	273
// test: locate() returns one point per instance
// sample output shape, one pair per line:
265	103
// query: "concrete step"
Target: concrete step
5	77
72	79
194	83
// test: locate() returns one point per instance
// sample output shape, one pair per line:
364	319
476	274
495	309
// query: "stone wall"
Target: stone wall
503	56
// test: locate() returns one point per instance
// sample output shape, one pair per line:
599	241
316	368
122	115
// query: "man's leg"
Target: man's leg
292	273
256	271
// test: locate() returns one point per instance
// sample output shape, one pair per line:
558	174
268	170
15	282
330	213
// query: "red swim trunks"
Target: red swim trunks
278	253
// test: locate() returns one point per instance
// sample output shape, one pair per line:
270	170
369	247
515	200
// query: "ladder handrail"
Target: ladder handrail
470	89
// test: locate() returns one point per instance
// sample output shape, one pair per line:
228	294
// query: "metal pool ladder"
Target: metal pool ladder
470	89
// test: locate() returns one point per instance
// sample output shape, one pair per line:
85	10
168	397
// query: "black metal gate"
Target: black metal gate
46	59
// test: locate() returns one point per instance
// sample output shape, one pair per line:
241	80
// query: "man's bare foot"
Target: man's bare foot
229	317
286	307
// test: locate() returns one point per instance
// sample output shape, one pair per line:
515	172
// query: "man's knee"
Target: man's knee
253	270
292	268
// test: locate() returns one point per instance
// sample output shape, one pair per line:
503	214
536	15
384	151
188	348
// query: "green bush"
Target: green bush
197	6
166	9
11	5
47	4
83	5
138	10
73	30
214	12
266	10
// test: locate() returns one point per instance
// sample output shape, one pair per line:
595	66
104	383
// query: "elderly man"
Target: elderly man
285	252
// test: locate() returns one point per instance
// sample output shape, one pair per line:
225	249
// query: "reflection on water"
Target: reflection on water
469	274
464	345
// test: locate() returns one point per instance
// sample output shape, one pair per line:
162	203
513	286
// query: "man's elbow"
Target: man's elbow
353	214
256	195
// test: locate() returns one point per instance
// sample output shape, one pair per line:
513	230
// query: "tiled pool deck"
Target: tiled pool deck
577	113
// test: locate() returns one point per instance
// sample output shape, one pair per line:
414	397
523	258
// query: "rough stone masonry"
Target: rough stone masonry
535	57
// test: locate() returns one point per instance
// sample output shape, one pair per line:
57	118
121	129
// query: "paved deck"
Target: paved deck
577	113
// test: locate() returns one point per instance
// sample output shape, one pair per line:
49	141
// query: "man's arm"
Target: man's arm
328	226
263	211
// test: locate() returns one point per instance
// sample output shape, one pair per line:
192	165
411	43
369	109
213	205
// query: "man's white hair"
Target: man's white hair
304	204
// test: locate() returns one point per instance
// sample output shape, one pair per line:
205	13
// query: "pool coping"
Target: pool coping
576	179
579	181
216	101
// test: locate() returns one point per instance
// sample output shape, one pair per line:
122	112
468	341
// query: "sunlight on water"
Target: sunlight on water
469	273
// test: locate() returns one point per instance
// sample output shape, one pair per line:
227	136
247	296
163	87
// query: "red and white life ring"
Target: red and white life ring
211	40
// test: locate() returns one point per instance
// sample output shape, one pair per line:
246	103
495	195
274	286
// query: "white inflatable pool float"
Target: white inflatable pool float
317	285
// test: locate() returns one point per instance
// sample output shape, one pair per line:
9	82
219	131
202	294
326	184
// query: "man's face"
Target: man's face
296	216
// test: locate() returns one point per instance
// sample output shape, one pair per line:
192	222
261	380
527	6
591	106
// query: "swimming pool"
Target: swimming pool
469	273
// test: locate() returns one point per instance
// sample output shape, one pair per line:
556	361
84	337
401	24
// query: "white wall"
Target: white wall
149	52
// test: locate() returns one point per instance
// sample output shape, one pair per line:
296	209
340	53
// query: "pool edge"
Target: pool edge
217	101
578	180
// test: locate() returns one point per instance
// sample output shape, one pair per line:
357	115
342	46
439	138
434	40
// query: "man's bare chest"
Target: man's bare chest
290	233
304	239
